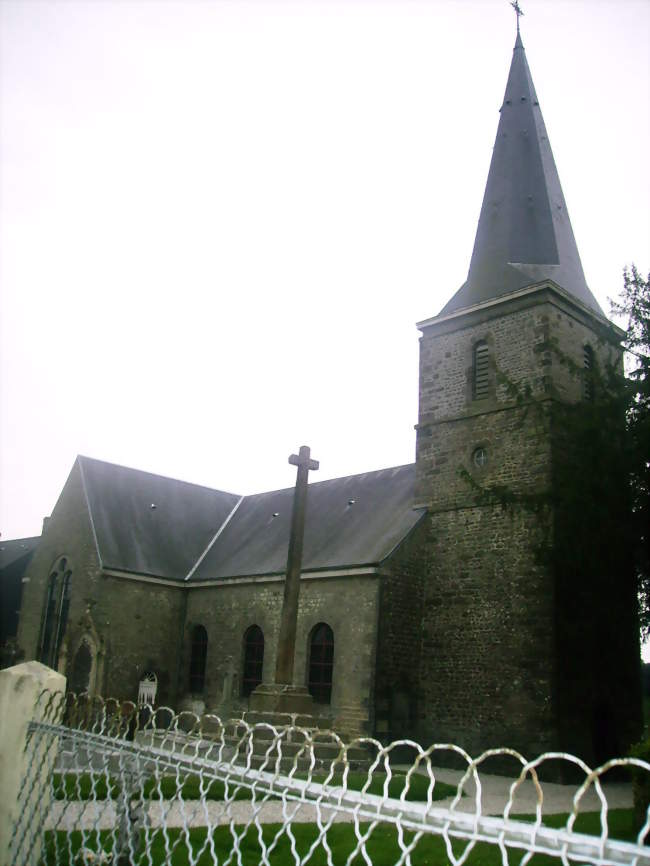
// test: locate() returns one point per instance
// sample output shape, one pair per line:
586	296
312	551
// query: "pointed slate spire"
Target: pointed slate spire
524	234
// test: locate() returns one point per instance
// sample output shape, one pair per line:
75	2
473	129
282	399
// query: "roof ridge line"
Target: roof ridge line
156	475
90	511
216	536
328	480
23	538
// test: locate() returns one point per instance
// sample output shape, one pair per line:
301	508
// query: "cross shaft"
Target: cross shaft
288	624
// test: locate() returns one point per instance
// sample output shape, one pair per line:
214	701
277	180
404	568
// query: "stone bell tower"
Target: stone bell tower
498	664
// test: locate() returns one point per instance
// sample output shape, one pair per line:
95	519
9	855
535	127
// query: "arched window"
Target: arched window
57	606
588	373
79	680
253	659
198	659
321	663
480	370
50	617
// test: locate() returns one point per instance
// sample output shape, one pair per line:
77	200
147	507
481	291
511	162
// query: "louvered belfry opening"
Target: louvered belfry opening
253	659
321	663
481	381
588	375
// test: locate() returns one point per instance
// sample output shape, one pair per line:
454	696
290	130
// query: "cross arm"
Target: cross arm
303	458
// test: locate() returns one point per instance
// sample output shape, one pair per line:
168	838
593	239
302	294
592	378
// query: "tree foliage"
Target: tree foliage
592	532
634	307
599	493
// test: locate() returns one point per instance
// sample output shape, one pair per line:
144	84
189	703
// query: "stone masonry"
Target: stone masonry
489	592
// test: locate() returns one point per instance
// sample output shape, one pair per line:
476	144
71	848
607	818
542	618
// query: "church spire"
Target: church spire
524	234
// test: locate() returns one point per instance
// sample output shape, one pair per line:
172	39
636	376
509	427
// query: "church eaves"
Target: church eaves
524	234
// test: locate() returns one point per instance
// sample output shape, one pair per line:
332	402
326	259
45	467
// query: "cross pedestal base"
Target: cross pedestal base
278	698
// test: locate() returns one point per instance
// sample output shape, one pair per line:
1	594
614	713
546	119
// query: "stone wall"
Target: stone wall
487	658
142	622
347	604
493	660
397	698
68	534
129	626
530	341
488	653
568	333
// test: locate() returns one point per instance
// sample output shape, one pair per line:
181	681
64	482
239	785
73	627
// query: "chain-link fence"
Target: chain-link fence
107	782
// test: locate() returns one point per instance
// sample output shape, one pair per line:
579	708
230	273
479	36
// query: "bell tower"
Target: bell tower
508	348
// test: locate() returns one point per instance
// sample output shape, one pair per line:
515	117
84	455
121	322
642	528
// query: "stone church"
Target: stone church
425	610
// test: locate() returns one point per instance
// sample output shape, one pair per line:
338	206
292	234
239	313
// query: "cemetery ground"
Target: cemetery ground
86	786
381	845
193	843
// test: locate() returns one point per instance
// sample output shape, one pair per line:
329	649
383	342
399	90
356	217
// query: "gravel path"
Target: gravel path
495	790
102	815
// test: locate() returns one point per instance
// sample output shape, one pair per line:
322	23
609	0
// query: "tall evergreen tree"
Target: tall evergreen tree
634	306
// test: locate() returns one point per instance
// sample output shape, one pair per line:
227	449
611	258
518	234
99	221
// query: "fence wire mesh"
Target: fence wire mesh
109	782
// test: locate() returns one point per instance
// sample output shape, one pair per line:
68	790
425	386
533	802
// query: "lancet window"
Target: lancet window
321	663
55	615
253	659
198	659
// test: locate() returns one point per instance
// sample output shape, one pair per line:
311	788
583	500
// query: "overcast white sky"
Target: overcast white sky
220	221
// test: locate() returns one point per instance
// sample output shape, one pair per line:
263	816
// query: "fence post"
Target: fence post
20	687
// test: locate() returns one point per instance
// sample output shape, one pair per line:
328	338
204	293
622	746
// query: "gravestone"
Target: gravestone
147	689
229	681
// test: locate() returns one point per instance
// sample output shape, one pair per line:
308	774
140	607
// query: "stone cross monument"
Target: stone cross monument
287	639
283	696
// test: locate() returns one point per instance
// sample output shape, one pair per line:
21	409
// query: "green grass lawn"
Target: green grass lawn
418	785
382	847
73	786
169	788
84	786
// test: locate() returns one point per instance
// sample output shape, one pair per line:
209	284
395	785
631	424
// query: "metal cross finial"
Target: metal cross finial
518	11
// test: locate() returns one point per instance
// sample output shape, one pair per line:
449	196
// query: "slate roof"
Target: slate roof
524	234
15	556
164	541
351	521
16	548
208	534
